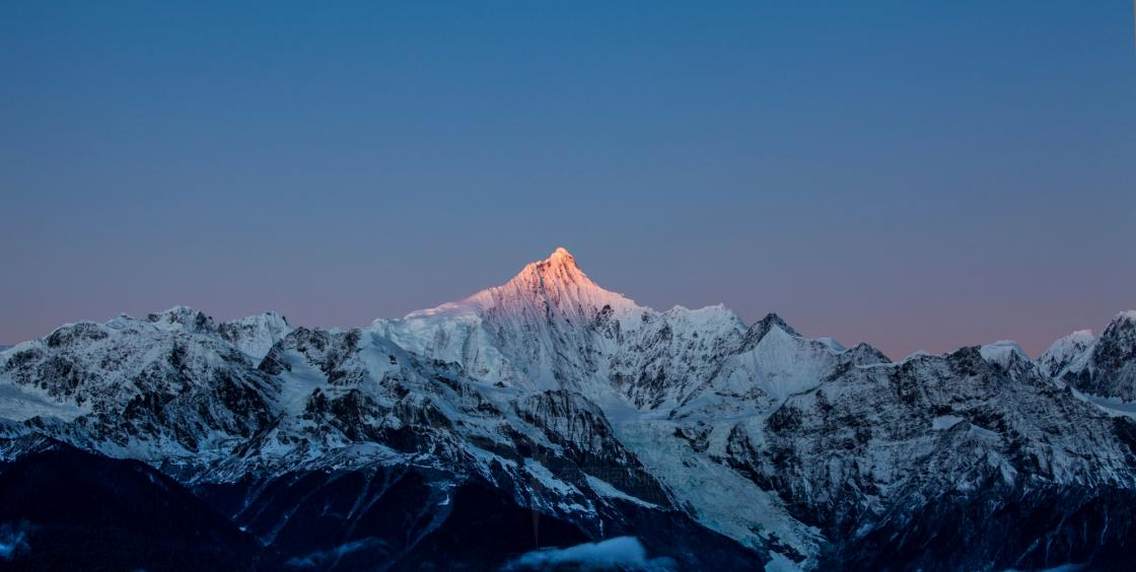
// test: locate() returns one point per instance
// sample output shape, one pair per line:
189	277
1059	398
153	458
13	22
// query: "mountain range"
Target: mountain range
550	423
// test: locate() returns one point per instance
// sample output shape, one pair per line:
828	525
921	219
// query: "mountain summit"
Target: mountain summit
532	331
555	284
562	256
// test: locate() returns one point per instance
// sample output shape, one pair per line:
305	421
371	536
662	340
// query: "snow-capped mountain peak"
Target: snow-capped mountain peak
771	321
556	281
1066	352
1121	331
1003	352
1104	366
562	256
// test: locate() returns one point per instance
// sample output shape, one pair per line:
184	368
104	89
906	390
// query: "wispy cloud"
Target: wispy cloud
14	539
623	553
321	558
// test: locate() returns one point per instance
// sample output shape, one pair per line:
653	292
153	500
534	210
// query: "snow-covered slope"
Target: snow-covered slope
611	418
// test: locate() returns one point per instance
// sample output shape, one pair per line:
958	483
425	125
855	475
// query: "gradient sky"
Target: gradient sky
918	175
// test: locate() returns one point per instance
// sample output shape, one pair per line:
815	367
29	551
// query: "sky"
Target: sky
918	175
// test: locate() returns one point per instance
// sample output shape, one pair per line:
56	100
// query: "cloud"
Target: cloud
323	557
621	553
13	540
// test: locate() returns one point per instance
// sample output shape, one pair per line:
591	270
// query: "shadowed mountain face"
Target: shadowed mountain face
63	508
551	413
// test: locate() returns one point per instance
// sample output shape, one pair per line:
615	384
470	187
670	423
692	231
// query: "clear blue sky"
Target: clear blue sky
916	174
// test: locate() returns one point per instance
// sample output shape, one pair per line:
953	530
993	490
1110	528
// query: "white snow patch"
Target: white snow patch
944	422
299	384
781	563
985	433
546	478
18	403
1114	407
832	344
605	489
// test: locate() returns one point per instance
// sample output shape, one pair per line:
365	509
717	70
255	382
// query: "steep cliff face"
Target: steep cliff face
563	413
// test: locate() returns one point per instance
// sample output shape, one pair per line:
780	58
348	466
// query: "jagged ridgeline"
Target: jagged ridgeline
551	423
